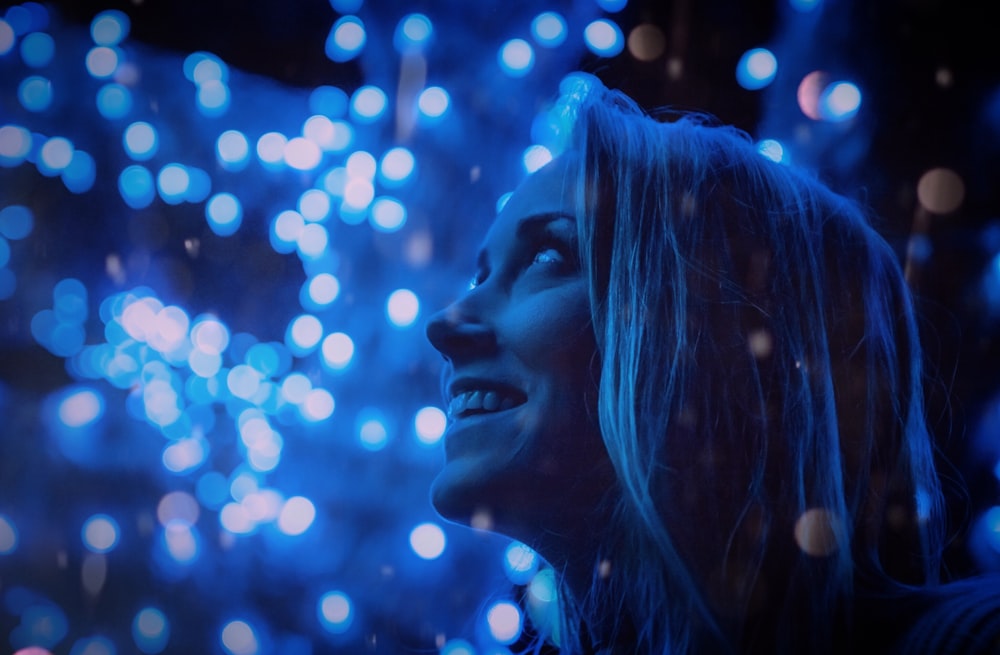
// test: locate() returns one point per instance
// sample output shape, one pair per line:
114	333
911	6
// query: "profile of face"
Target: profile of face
523	450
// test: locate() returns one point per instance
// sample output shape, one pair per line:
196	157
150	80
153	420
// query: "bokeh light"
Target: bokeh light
428	541
604	37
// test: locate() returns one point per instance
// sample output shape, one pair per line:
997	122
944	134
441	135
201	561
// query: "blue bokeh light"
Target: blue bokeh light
150	630
136	186
35	93
516	57
224	213
840	102
773	150
102	61
368	104
172	182
239	638
429	425
549	29
110	27
141	140
413	32
80	174
387	214
329	101
433	102
604	38
756	68
428	541
402	308
335	611
338	350
100	533
346	39
15	144
16	222
7	37
114	101
232	150
504	621
8	536
37	49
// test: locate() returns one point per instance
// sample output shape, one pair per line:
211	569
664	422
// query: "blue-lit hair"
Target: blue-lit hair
760	359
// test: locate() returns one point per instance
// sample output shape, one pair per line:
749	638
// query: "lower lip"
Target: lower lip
473	419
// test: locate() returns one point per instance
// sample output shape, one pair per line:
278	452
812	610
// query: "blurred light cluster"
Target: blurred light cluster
233	451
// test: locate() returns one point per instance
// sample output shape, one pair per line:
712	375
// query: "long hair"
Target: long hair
760	394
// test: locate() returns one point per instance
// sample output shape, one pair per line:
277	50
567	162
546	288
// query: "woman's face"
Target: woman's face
523	448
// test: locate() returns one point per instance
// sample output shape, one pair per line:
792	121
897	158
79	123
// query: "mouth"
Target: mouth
489	400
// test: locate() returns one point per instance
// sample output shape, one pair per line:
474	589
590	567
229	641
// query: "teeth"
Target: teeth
480	401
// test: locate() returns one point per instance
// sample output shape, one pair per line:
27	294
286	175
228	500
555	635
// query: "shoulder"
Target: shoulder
958	618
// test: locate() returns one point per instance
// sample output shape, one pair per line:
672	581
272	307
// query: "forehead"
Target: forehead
549	190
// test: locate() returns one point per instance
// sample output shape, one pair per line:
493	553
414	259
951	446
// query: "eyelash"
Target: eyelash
565	256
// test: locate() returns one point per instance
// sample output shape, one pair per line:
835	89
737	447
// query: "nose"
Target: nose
458	334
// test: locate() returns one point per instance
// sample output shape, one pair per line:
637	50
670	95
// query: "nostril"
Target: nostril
454	335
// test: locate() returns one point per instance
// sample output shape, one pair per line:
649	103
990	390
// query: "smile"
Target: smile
482	401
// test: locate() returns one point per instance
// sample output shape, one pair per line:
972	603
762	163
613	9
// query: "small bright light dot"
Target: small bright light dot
458	647
359	192
322	289
318	405
504	621
604	38
840	102
772	149
136	186
287	227
535	157
338	350
81	408
314	205
428	541
16	222
328	100
412	33
150	630
7	37
520	563
35	93
232	150
172	182
312	241
15	144
756	68
207	69
37	49
304	333
346	39
321	131
57	153
100	533
549	29
361	164
295	387
396	166
186	454
102	62
612	6
109	27
238	638
429	425
213	98
297	514
433	102
302	154
209	335
368	104
114	101
140	140
940	190
335	611
402	307
224	213
8	536
388	214
271	148
516	57
373	434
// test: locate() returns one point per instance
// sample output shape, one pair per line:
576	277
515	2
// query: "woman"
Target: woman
690	378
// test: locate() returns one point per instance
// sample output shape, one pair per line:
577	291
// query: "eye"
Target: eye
548	255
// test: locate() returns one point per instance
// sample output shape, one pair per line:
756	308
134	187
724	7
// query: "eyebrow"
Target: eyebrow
528	226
